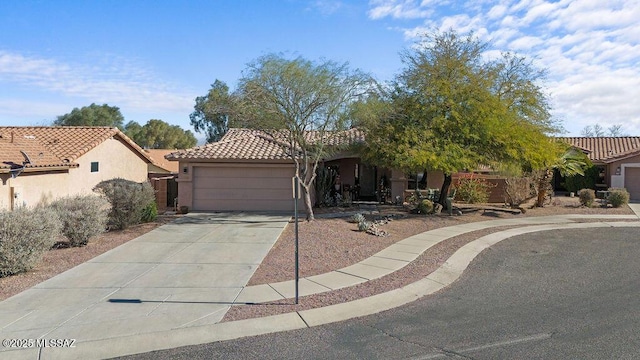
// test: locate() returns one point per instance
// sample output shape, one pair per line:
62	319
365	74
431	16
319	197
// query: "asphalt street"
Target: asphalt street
568	294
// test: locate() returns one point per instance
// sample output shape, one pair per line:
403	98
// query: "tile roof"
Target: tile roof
248	144
606	149
51	146
157	158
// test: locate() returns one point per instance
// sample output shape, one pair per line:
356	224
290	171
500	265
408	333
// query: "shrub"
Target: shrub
83	216
25	235
517	190
587	181
128	200
473	190
425	207
150	213
618	197
587	197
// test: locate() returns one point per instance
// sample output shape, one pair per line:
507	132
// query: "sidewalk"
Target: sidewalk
141	322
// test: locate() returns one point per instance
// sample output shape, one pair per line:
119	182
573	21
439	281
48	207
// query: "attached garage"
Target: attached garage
242	187
632	182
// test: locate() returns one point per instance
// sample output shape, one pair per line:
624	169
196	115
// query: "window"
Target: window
94	166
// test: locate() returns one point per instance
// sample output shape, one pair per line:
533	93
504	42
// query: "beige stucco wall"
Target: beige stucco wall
114	158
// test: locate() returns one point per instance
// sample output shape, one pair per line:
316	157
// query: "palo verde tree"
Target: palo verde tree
301	104
452	110
92	115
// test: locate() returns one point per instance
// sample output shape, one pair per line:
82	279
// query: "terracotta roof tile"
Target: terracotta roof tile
606	149
248	144
56	145
158	159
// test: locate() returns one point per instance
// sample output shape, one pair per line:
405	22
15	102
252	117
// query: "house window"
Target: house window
94	166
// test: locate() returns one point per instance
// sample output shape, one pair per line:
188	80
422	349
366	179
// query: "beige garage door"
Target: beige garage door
242	188
632	182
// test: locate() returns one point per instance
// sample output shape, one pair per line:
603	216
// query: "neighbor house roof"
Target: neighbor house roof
54	146
158	159
248	144
606	149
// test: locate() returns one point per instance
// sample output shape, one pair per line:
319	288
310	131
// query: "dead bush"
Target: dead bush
128	201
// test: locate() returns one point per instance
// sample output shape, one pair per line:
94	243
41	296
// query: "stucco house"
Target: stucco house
248	170
617	157
39	164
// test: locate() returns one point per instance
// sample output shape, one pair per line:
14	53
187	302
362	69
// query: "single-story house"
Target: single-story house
162	175
42	163
248	170
617	157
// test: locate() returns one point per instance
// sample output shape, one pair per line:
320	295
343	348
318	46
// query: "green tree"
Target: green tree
452	110
215	112
157	134
302	104
92	115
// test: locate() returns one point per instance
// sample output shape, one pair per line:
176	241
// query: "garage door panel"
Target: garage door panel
243	172
255	187
251	194
234	183
632	182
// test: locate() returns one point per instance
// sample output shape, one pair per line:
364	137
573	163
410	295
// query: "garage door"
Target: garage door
632	182
242	188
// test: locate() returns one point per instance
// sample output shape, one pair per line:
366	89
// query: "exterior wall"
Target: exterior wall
30	189
618	178
114	159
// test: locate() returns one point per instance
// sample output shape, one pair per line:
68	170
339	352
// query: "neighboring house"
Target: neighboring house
617	157
40	164
162	175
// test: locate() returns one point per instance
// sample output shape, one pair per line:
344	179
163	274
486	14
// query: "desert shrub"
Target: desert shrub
587	181
25	235
618	197
587	197
518	190
128	201
424	207
150	213
473	191
83	216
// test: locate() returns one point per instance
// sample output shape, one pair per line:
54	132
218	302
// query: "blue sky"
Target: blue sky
152	58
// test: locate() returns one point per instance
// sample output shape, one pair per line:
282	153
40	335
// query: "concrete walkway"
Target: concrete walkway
111	314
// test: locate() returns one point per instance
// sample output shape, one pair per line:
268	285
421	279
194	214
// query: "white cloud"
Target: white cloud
591	48
398	9
99	78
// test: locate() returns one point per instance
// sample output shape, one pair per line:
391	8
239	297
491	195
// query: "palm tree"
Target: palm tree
572	162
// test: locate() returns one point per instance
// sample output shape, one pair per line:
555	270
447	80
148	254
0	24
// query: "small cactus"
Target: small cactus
357	218
363	225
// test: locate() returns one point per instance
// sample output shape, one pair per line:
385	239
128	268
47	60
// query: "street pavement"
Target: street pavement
561	294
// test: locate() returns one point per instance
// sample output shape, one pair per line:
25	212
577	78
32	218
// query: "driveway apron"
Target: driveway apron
183	274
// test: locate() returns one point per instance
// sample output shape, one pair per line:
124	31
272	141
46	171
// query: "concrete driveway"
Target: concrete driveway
182	274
